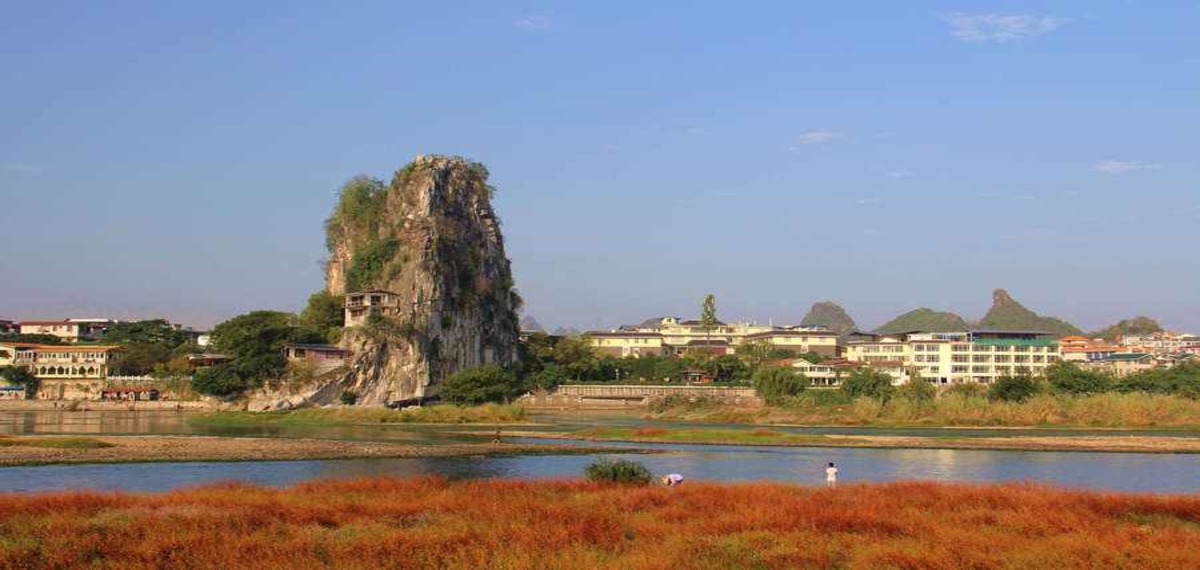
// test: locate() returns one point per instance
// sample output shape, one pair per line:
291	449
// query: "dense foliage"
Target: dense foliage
868	383
620	471
776	383
924	319
1013	388
31	338
16	376
255	342
325	313
481	385
152	346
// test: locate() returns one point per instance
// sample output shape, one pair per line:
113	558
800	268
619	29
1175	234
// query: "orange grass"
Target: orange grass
431	523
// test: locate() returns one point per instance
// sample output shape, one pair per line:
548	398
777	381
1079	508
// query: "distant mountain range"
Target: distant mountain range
528	323
1005	313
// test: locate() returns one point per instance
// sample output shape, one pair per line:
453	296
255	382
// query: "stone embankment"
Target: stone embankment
104	405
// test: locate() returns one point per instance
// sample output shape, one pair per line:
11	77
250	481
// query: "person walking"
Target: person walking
831	473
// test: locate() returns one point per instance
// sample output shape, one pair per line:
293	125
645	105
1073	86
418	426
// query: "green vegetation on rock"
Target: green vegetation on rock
923	319
1135	326
1006	313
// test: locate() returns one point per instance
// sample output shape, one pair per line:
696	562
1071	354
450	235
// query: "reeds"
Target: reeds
431	523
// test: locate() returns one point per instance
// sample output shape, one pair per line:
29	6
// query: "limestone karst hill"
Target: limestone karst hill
431	238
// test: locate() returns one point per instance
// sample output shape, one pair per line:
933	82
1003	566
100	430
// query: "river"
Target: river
1159	473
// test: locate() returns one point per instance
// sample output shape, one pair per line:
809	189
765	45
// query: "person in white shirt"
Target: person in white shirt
831	475
672	480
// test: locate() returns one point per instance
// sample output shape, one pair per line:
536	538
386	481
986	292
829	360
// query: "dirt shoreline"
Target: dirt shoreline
170	448
1108	444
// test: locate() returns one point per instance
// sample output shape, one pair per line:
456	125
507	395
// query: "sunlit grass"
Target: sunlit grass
54	442
431	523
1110	410
438	414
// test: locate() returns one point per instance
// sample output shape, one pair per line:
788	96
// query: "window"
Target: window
960	348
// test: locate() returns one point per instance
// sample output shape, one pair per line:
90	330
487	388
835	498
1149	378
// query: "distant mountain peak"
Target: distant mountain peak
528	323
830	315
1008	313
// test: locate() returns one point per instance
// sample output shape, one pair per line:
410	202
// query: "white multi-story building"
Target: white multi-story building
672	336
1162	343
69	330
979	356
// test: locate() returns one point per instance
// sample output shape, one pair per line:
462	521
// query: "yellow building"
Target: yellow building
66	372
980	356
673	336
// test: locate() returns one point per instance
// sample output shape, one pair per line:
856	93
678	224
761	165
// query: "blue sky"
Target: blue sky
177	159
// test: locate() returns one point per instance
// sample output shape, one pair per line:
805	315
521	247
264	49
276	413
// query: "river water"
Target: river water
1159	473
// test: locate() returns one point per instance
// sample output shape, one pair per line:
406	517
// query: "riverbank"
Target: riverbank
769	437
432	523
437	414
832	408
44	450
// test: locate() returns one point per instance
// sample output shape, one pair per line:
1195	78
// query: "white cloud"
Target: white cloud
819	136
18	167
999	28
1120	166
900	174
535	21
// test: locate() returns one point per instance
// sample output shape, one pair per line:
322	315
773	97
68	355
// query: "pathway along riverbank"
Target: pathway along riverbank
45	450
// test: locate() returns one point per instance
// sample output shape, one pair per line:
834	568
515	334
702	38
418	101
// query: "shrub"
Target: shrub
966	390
775	383
868	383
221	380
917	391
620	471
1013	389
349	398
1067	378
481	385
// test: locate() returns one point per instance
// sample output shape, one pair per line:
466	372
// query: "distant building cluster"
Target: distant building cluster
671	336
80	369
979	356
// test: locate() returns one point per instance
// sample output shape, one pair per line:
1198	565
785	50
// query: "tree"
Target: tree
151	331
726	368
776	383
142	358
868	382
1013	388
21	377
1067	378
31	338
325	314
917	390
708	316
256	339
221	380
754	352
480	385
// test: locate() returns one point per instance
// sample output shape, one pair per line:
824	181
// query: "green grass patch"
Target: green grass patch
439	414
54	442
704	436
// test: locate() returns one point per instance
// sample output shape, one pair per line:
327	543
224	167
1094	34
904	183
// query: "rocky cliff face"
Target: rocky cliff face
431	237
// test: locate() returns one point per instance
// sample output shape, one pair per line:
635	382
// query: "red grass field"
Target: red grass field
430	523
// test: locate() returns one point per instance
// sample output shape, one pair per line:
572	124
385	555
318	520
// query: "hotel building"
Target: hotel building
978	356
670	336
66	372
